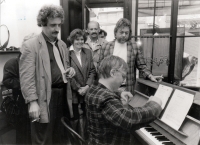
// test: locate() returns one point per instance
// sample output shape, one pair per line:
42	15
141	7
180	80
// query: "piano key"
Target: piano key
168	143
155	133
149	136
150	129
156	138
161	138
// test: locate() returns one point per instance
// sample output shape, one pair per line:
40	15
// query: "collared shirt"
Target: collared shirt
56	74
109	122
77	53
120	50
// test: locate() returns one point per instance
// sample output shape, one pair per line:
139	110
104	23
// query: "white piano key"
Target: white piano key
151	139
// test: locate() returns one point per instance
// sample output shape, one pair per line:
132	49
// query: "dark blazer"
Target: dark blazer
11	80
84	74
11	74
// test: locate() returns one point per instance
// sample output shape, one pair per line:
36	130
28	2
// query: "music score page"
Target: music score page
163	92
177	109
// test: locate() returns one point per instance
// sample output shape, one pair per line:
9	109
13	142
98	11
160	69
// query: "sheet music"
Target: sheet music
177	109
163	93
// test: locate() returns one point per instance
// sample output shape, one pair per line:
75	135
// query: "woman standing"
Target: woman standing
82	62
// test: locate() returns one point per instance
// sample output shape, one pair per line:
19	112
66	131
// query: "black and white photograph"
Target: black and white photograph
99	72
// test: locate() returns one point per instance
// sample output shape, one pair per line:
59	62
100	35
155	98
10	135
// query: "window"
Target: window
189	24
107	18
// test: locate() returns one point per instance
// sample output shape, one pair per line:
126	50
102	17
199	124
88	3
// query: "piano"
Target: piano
159	133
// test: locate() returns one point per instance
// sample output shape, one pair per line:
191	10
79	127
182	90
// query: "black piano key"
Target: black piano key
158	135
151	129
161	138
155	133
168	143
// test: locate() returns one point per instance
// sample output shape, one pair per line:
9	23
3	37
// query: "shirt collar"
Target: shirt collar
89	40
72	49
47	39
102	86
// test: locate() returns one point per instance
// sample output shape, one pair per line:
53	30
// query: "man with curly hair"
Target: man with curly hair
44	72
126	49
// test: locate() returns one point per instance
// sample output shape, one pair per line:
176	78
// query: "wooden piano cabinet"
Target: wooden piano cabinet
189	132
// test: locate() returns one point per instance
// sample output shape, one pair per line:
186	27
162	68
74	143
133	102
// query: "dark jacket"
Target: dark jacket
11	76
11	81
84	74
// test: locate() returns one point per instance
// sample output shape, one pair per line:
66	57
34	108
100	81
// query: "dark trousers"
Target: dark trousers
76	110
79	121
23	126
52	132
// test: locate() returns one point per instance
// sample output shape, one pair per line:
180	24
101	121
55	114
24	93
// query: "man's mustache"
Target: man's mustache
94	33
56	32
123	39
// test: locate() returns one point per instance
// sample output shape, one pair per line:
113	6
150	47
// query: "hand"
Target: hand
155	99
124	101
125	97
70	72
155	78
82	90
34	110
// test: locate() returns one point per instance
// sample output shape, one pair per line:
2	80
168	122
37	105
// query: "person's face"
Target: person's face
93	30
102	35
53	27
119	77
78	42
122	34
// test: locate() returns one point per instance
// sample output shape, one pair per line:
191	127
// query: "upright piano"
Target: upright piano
158	132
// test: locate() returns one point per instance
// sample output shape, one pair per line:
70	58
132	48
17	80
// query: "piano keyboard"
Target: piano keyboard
153	137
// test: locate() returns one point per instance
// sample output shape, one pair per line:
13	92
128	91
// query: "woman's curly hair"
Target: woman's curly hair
75	34
49	11
123	22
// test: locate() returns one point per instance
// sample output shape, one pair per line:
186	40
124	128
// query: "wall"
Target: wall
20	17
